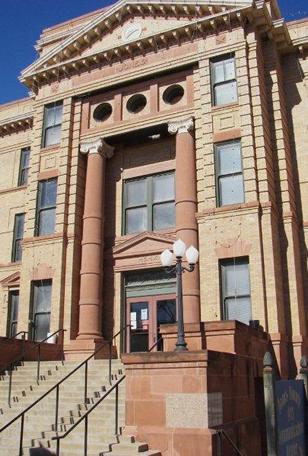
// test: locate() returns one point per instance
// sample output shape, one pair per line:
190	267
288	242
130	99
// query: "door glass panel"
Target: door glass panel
166	314
139	321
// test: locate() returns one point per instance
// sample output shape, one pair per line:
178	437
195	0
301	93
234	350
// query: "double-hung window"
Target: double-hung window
52	124
229	173
24	167
18	237
235	290
46	207
149	203
223	80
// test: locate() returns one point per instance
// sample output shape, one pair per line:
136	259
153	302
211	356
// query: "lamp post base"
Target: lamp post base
179	347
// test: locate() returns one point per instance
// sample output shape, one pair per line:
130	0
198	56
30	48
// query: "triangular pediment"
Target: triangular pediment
11	280
144	244
127	24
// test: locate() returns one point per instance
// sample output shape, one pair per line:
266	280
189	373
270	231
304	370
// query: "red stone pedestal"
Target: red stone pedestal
80	349
175	401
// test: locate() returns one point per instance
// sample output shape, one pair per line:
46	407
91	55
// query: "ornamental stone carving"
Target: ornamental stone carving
181	126
96	146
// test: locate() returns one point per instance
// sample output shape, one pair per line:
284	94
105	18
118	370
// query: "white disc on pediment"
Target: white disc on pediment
131	31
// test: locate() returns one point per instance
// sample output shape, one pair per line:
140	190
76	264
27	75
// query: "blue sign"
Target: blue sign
290	410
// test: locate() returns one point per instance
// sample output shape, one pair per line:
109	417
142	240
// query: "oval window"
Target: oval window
136	103
102	112
173	94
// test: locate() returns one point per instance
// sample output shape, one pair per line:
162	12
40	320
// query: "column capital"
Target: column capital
96	146
181	126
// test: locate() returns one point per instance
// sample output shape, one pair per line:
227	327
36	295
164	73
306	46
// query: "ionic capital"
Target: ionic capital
96	146
181	126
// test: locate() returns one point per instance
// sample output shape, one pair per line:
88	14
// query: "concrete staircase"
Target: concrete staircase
39	425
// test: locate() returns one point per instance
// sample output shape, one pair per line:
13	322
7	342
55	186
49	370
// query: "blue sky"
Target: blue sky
22	21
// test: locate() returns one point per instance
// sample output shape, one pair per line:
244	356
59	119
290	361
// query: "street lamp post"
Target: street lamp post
167	258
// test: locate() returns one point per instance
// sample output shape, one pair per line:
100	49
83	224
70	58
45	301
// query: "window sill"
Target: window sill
225	106
50	148
123	237
13	189
228	208
44	238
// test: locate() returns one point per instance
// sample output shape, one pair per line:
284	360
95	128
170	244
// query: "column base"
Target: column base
80	349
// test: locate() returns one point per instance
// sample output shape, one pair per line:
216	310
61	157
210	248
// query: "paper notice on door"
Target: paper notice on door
133	320
144	314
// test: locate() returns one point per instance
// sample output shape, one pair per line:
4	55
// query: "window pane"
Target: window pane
42	297
231	190
52	135
14	305
238	309
18	250
229	69
19	225
218	72
136	220
136	192
41	326
25	156
163	216
48	193
225	93
53	115
229	158
236	279
24	176
47	221
163	187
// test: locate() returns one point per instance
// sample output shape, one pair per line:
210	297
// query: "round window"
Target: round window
102	112
173	94
136	103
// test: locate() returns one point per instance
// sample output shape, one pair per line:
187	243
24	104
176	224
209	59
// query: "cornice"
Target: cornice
14	124
59	60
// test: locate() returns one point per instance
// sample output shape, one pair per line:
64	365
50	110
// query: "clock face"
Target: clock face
131	31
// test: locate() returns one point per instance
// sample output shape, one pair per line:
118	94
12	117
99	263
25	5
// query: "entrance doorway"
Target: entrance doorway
149	303
145	315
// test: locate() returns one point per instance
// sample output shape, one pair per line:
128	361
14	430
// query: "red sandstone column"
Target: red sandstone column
90	303
186	208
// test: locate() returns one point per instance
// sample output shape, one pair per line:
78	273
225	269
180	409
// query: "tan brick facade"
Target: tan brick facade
86	69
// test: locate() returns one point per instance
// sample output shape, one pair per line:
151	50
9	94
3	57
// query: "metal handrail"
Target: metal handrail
222	432
10	366
115	386
38	345
155	344
57	386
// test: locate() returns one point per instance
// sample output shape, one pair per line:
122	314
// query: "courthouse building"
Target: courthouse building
149	121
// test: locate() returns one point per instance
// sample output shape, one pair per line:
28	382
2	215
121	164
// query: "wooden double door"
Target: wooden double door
145	315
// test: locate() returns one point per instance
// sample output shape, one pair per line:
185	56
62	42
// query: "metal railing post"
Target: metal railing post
21	434
85	382
117	410
38	365
57	408
110	354
85	448
10	384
